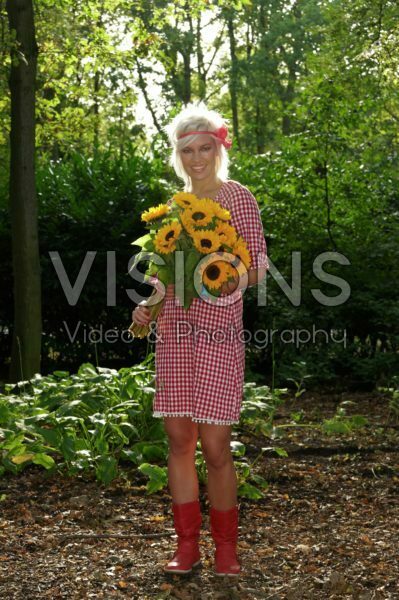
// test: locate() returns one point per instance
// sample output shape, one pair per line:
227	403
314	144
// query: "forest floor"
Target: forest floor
327	526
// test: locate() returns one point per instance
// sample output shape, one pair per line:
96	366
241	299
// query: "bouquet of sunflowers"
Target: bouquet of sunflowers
190	243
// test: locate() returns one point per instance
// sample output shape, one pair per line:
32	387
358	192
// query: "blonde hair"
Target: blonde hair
195	117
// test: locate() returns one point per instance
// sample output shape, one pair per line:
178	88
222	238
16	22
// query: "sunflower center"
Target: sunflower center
170	235
213	272
205	243
198	215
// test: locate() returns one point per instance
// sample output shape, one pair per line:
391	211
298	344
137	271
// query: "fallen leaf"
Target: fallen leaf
264	551
166	586
366	540
303	548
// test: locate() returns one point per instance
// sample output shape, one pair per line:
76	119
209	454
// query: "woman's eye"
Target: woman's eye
188	150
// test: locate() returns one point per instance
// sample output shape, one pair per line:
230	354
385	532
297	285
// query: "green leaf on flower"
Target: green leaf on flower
143	241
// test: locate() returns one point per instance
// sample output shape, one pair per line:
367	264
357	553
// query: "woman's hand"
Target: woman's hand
228	287
254	276
141	314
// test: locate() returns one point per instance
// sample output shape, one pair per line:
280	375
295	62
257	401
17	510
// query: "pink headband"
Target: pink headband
220	134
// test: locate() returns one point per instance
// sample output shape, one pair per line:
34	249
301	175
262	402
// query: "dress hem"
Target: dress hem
158	414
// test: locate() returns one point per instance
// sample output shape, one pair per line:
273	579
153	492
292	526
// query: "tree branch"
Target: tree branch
143	88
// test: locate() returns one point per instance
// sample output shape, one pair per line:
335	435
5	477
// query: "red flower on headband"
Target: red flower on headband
222	134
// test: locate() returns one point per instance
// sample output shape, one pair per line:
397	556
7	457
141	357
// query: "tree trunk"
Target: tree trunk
187	50
288	96
26	343
287	93
143	87
200	61
96	111
259	129
233	83
186	77
96	91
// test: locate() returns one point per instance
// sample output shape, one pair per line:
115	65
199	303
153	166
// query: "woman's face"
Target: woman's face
199	158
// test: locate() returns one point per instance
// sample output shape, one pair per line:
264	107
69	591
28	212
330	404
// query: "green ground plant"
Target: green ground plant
393	398
99	422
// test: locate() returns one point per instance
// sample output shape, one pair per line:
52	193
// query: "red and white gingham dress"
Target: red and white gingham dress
199	353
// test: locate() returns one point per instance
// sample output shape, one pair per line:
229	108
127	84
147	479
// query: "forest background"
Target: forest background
310	90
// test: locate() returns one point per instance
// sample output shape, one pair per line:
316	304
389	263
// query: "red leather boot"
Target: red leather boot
224	529
187	521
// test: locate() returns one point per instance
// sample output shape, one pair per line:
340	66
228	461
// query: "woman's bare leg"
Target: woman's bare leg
222	478
182	474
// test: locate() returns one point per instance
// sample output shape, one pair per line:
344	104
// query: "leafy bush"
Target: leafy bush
86	205
358	344
85	422
97	421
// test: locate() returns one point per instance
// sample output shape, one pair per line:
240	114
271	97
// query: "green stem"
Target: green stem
273	361
297	425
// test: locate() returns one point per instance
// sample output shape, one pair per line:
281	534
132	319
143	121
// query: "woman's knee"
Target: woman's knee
217	457
216	449
182	434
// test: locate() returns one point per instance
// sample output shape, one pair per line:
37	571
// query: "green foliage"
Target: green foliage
88	422
259	408
158	477
98	420
301	369
393	397
341	424
355	340
87	205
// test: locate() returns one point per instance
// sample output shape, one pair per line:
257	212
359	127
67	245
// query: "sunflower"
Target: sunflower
240	249
206	241
199	214
215	274
221	213
187	221
155	212
184	199
165	240
227	233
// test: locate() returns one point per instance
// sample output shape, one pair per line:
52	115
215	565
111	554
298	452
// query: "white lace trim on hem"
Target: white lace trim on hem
158	414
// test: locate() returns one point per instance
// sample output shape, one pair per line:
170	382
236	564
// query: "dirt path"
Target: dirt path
327	527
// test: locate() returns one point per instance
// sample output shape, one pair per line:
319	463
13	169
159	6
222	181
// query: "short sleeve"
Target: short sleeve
246	218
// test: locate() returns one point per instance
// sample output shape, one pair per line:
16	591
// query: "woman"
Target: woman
199	377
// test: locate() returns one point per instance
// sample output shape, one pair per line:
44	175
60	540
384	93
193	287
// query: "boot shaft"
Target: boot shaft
187	519
224	525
